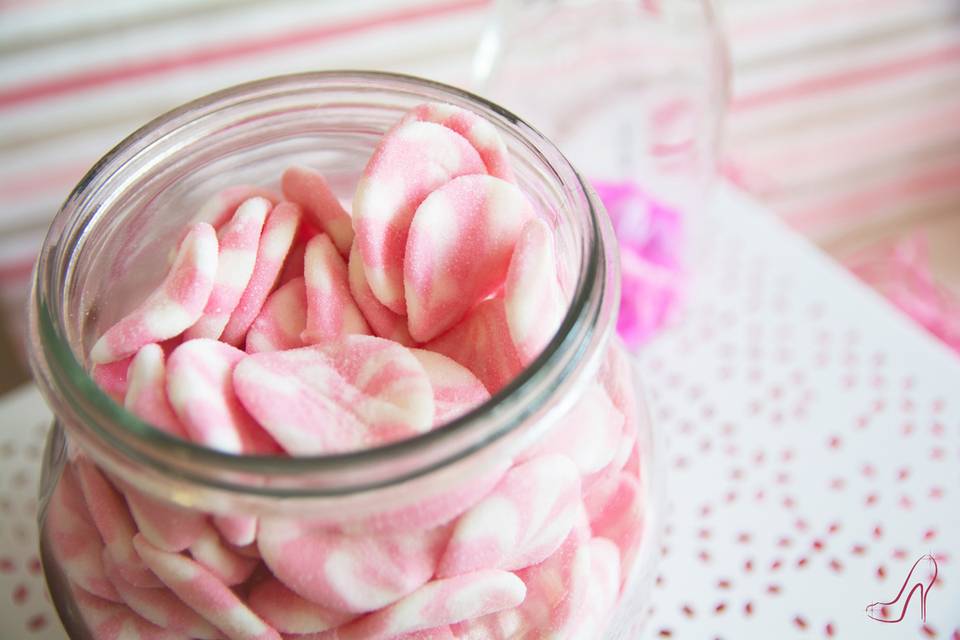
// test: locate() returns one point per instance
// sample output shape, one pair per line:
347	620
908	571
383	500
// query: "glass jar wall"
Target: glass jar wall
534	513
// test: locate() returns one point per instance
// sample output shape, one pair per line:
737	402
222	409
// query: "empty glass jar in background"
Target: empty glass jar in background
633	93
118	495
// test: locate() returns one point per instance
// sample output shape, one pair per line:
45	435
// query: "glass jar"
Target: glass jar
112	482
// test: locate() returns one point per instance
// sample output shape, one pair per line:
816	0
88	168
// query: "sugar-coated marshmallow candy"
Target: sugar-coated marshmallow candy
279	231
411	161
354	393
310	190
534	301
174	306
238	242
205	594
458	250
281	321
199	385
522	521
331	310
348	573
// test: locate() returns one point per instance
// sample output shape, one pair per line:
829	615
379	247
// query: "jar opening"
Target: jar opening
212	128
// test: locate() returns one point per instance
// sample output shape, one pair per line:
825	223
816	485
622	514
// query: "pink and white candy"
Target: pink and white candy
458	250
481	342
348	573
455	389
481	133
200	388
354	393
411	161
108	620
331	310
310	190
238	242
384	322
437	603
173	307
114	522
287	612
74	539
217	558
534	301
282	320
160	607
146	395
279	231
520	523
205	594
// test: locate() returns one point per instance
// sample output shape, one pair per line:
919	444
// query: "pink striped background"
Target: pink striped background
845	117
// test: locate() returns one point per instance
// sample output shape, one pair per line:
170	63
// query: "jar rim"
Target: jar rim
73	394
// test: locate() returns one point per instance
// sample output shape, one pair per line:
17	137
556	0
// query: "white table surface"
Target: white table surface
813	437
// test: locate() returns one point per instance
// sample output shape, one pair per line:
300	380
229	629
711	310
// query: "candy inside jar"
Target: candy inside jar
364	387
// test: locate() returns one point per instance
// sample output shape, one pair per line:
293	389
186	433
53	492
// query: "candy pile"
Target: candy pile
288	326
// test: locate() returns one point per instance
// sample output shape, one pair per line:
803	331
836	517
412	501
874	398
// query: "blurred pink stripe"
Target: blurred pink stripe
57	87
924	122
863	203
26	185
847	79
808	13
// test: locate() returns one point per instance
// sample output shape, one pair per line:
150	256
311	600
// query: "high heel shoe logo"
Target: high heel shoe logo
922	576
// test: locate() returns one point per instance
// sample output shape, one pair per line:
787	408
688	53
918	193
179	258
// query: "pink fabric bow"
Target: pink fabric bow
650	236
